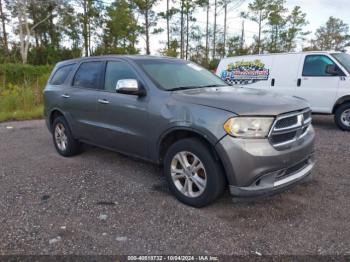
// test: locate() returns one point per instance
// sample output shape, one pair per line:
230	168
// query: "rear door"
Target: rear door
81	101
284	76
123	118
315	85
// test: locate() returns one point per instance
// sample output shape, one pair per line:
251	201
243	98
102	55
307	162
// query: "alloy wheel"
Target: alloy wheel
61	138
188	174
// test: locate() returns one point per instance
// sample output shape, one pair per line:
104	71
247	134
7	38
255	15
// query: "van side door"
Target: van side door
123	117
315	85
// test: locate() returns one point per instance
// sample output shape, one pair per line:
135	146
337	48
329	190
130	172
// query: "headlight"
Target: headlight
248	127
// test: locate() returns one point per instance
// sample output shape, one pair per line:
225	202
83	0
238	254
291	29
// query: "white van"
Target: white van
322	78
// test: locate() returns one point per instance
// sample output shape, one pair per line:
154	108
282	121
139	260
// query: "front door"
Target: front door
317	86
123	118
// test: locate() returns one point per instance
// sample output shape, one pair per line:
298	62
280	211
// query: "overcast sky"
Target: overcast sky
318	11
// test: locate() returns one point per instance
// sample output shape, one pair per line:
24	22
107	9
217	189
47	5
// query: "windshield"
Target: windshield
344	59
172	74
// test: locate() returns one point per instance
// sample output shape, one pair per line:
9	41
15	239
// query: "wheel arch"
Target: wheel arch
174	134
53	115
340	101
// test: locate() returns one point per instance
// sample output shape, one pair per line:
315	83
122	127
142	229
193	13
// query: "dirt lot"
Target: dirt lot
101	202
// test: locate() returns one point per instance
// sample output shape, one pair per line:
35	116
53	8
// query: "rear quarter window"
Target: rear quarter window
61	74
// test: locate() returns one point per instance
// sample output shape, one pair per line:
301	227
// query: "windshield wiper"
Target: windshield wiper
213	85
183	88
192	87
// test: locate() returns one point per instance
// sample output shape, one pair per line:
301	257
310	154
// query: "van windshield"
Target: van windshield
343	59
171	74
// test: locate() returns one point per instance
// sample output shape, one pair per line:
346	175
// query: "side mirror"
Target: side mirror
129	87
332	70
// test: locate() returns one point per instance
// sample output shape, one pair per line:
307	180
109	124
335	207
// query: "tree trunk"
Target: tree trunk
3	22
147	32
182	31
225	26
207	35
89	26
214	36
167	24
85	30
187	28
242	37
259	36
27	41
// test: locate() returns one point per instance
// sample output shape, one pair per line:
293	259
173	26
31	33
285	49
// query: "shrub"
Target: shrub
21	89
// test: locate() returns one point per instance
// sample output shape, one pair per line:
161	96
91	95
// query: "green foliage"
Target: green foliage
23	74
296	21
333	36
121	32
21	91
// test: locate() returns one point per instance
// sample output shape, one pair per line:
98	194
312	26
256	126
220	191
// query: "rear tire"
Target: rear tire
63	139
342	117
191	161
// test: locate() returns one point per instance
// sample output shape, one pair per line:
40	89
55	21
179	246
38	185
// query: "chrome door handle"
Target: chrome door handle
65	96
103	101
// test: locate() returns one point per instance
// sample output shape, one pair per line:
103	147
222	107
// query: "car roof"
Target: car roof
126	57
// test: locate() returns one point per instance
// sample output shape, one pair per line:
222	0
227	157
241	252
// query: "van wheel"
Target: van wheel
342	117
63	140
194	176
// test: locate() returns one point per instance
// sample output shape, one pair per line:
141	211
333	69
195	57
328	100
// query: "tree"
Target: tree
276	22
20	11
333	36
121	32
235	47
150	20
168	15
226	4
296	20
3	19
259	11
90	19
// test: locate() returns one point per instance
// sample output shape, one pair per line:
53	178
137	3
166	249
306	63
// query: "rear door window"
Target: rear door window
89	75
61	74
115	71
315	65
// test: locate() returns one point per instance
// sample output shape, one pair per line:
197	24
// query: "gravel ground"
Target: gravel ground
101	202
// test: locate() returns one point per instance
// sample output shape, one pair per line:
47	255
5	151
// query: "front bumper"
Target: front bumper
254	167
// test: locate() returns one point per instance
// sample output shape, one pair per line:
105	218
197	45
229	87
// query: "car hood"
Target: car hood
242	101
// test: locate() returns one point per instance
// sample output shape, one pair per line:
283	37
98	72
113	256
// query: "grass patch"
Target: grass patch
34	113
21	91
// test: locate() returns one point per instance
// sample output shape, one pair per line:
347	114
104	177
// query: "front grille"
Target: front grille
286	122
277	139
289	127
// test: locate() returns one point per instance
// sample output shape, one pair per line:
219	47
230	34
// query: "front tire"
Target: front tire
342	117
63	139
194	176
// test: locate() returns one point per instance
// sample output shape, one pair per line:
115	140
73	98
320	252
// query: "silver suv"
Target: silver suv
172	112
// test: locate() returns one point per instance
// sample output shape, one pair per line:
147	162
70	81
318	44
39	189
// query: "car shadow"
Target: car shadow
324	122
